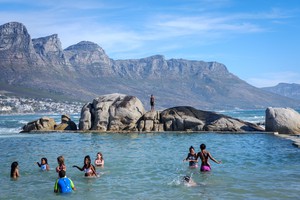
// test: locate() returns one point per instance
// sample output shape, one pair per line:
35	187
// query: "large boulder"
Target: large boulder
42	124
186	118
112	112
66	124
150	121
282	120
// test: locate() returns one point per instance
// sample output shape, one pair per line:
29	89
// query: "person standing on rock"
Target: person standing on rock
152	100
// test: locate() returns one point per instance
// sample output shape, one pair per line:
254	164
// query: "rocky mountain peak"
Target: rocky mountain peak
215	66
48	46
85	46
13	28
13	37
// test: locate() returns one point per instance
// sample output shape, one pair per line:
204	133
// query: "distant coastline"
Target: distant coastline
13	105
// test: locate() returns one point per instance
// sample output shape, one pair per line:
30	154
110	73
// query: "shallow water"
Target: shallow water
149	166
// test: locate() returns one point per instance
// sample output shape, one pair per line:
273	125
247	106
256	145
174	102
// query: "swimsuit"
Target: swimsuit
205	168
44	167
192	157
87	170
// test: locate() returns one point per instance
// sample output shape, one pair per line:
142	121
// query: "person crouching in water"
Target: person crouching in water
44	164
88	168
204	155
63	184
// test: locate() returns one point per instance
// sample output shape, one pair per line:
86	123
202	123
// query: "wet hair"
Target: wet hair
88	158
14	165
45	159
202	146
62	173
60	160
100	155
191	147
187	178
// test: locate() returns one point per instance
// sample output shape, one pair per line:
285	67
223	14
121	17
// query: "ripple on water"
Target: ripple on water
149	166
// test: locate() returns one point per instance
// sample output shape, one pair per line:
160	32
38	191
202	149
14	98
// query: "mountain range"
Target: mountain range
291	90
81	72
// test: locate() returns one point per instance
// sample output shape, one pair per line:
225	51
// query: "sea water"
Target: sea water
149	165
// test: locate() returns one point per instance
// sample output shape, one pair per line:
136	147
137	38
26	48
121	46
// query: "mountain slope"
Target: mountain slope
291	90
84	71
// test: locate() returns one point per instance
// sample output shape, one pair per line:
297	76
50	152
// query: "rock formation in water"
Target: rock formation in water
66	124
49	124
282	120
113	112
42	124
117	112
185	118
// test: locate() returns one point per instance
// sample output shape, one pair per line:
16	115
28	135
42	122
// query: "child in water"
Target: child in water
192	158
44	164
14	171
88	168
204	155
63	184
99	161
61	164
187	180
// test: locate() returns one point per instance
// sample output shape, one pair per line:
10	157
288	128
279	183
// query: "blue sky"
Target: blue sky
257	40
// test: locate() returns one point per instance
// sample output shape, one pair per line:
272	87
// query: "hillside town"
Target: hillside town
20	105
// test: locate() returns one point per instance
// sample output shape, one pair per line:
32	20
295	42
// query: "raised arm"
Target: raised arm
210	156
81	169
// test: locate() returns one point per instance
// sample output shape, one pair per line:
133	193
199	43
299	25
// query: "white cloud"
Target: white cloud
93	20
